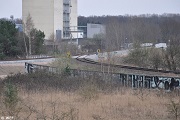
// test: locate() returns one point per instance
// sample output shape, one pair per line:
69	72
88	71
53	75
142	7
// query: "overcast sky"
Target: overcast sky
103	7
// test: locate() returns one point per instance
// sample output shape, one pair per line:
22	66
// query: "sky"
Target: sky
103	7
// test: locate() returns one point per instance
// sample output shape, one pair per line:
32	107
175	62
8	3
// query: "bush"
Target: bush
2	56
145	57
10	98
67	70
43	81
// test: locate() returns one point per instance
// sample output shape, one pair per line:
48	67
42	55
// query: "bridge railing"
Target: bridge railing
37	56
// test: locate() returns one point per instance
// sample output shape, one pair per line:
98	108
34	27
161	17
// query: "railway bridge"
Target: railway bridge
167	80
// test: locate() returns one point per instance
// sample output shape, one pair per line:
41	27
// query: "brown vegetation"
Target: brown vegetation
58	97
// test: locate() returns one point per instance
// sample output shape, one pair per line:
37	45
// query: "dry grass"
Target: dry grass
114	106
85	101
62	61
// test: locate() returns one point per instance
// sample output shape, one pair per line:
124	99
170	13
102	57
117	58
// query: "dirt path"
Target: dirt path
6	70
9	69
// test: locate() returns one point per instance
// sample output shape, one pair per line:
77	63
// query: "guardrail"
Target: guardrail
38	56
128	80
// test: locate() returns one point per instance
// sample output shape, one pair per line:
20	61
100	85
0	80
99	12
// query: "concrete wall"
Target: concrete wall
47	15
93	29
42	13
73	17
58	16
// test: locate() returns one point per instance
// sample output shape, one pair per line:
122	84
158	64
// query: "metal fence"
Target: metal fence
128	80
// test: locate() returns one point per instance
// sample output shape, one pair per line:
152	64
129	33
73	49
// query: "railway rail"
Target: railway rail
90	61
152	81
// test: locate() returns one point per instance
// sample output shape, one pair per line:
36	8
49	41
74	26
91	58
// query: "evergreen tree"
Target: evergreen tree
8	38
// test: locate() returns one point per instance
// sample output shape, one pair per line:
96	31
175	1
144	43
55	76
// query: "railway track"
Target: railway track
134	80
90	61
152	78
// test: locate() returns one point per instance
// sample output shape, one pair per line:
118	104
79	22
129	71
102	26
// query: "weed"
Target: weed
173	109
141	93
97	117
89	92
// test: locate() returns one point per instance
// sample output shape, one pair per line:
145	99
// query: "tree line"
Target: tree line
143	28
14	43
122	30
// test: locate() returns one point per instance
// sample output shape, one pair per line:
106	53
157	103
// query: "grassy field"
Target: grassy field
43	96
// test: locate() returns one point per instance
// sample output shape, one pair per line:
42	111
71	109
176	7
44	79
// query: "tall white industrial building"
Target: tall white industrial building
54	17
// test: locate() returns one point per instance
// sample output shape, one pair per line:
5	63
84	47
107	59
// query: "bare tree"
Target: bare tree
29	25
145	32
172	55
171	34
24	38
113	35
53	39
156	59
